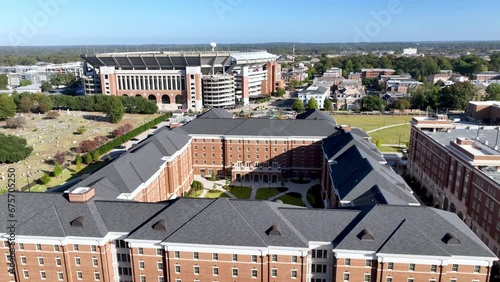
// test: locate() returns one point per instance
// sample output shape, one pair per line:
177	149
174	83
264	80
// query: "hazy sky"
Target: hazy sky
76	22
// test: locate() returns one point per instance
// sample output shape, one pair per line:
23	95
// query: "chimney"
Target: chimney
81	195
346	128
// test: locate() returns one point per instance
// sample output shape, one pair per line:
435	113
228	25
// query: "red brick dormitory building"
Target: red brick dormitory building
126	221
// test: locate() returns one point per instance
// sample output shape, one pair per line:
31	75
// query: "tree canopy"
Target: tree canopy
13	148
493	92
298	105
114	109
457	96
372	103
7	107
312	104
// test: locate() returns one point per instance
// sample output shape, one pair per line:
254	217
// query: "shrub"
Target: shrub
44	179
52	114
88	159
378	143
57	170
101	140
86	146
15	122
95	156
80	130
197	185
122	130
78	158
60	157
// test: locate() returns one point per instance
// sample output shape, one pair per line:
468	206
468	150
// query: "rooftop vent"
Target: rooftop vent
451	239
275	230
78	222
366	235
160	225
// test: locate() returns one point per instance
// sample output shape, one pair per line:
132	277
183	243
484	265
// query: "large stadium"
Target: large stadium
184	80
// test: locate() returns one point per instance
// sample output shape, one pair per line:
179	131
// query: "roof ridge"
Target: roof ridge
94	211
409	222
391	235
246	221
288	223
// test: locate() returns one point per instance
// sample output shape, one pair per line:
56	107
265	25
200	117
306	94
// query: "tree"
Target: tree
25	104
44	179
15	122
78	164
80	130
52	115
57	170
4	81
46	86
114	109
457	96
280	92
402	104
25	82
95	156
78	159
43	102
60	157
57	79
378	143
7	107
298	105
371	103
356	107
312	104
493	92
294	83
13	148
328	105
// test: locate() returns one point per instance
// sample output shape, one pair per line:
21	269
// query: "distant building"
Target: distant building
487	75
447	77
348	93
374	73
40	72
333	72
410	51
319	91
484	111
399	83
354	76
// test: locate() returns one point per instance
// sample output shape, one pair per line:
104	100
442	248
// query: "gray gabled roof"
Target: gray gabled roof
317	114
337	144
413	231
216	113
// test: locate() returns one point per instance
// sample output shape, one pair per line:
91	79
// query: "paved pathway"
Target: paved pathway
388	126
292	187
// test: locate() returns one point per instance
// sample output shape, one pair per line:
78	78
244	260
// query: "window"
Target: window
390	265
140	251
26	274
56	248
75	247
40	260
60	276
294	274
346	276
368	263
177	269
318	268
97	276
477	269
235	272
143	278
320	254
433	268
196	270
411	267
177	254
58	261
274	272
93	248
254	273
367	278
454	267
196	255
215	256
294	259
388	279
453	280
254	258
274	258
347	261
215	271
77	261
141	264
38	247
410	279
21	246
159	265
235	257
95	262
43	275
158	253
79	275
23	260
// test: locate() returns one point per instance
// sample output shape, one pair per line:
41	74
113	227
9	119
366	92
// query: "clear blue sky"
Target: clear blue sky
76	22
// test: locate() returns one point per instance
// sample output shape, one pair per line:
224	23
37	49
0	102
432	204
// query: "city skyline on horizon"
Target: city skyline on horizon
54	22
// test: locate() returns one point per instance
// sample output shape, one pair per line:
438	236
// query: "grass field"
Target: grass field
50	136
391	135
370	122
241	192
292	198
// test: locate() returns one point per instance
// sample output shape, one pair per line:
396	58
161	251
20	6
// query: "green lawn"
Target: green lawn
391	135
266	193
240	192
370	122
292	198
314	196
215	194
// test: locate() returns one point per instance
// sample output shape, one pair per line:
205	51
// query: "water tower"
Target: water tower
213	44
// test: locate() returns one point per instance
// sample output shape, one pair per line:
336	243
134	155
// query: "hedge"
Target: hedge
97	103
129	135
